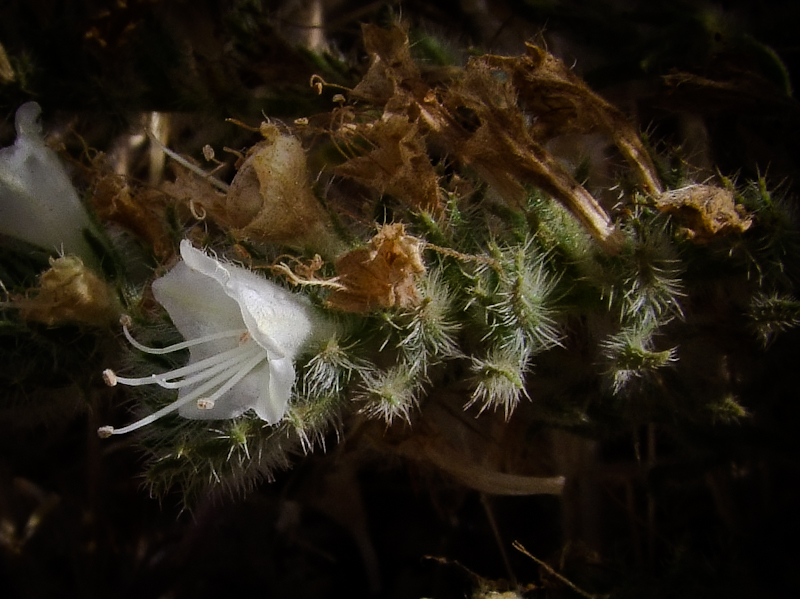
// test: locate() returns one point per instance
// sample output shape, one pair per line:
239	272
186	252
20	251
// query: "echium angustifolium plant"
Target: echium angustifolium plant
498	279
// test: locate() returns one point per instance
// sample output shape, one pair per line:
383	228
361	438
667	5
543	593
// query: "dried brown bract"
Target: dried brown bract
381	275
398	163
478	119
138	209
705	211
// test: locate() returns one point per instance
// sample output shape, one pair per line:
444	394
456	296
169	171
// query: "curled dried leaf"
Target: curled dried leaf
483	479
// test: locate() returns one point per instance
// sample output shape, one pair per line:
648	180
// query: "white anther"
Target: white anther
104	432
110	377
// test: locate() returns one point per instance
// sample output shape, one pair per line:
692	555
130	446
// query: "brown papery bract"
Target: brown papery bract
705	211
398	164
381	275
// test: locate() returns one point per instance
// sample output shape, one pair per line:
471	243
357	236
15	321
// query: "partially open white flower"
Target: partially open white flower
38	203
243	334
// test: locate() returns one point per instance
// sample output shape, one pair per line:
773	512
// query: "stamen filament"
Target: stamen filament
226	379
207	367
248	351
243	372
183	344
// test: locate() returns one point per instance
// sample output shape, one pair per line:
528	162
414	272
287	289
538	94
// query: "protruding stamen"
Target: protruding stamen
179	346
233	375
205	404
204	368
245	370
104	432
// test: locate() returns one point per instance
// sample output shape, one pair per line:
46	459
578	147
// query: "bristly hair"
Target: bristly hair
630	356
499	379
514	294
390	394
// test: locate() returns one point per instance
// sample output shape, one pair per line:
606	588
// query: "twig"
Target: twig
183	162
518	546
498	539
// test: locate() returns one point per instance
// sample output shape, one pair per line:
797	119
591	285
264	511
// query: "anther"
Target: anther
110	377
205	404
104	432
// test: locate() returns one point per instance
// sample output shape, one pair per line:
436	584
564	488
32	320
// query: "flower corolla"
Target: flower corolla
38	203
243	334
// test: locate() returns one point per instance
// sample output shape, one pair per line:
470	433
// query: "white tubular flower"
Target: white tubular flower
38	203
243	334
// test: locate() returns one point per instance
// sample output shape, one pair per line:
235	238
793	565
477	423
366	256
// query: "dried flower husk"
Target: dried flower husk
398	164
705	211
562	103
477	119
70	293
381	275
271	199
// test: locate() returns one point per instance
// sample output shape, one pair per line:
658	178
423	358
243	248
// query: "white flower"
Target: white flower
243	334
38	203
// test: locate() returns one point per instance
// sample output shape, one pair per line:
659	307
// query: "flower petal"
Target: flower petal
198	308
274	397
279	321
38	203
